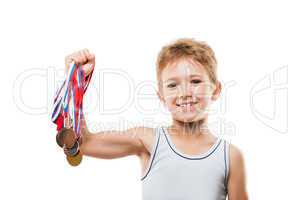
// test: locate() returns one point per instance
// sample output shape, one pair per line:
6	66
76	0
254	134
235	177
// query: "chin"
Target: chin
186	118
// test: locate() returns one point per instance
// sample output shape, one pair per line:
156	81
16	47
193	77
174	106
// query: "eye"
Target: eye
172	85
196	81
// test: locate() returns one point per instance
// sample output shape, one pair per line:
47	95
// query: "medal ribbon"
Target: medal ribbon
69	98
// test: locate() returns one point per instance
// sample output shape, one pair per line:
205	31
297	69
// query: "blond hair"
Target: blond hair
183	48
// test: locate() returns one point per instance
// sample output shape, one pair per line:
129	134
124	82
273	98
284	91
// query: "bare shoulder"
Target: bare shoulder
147	136
236	155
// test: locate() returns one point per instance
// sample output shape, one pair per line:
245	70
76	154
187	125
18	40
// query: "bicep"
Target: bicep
114	144
237	175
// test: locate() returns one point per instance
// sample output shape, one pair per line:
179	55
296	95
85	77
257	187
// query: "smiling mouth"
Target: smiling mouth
186	104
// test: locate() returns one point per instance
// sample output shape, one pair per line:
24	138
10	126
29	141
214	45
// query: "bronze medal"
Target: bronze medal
75	160
69	100
69	138
66	136
59	140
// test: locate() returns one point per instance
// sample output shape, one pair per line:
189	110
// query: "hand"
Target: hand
83	57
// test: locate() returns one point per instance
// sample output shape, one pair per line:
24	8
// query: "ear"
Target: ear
217	91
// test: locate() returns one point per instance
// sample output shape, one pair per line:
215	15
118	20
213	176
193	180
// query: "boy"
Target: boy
183	161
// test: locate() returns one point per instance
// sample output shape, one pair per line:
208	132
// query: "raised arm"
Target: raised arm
113	144
106	144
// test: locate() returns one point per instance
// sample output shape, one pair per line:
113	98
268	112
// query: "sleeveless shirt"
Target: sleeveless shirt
174	175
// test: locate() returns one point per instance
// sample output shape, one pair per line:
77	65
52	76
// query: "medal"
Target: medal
67	112
66	136
75	160
74	150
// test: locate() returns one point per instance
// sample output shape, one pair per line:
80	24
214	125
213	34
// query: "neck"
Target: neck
190	128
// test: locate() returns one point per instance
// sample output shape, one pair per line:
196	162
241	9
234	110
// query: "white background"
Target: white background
257	47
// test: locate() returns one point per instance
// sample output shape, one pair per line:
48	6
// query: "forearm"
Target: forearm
111	144
100	145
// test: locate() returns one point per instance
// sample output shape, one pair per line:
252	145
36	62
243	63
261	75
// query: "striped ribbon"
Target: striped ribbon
68	100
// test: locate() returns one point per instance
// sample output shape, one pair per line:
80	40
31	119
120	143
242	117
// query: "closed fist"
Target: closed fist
82	57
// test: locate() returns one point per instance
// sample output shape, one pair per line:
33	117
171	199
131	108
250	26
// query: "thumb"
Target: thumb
87	68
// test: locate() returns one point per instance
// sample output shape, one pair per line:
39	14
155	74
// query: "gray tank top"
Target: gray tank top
174	175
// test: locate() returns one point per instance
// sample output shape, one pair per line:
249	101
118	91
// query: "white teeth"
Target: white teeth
185	105
189	107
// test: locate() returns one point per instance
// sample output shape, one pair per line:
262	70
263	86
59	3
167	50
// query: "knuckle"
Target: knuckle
77	57
85	50
91	56
82	55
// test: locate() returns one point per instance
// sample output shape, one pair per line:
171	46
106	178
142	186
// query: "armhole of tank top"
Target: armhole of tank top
152	154
226	162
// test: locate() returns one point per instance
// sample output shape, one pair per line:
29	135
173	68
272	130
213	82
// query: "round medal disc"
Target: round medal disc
69	138
66	136
59	140
74	150
75	160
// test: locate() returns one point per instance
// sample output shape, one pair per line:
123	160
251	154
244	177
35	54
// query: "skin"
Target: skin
186	80
181	81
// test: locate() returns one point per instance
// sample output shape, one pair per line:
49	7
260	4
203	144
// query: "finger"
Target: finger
79	57
91	58
86	52
73	57
87	68
68	59
83	57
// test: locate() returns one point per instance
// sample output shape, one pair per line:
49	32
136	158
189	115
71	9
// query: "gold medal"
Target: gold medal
75	160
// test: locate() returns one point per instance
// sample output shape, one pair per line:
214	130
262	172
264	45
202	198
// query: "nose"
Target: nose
185	90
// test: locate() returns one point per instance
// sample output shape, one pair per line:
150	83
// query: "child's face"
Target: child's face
187	90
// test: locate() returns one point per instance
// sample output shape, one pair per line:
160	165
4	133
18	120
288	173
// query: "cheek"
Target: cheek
201	93
170	96
169	100
171	103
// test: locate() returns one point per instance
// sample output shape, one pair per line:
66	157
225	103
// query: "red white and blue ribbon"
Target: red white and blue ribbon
69	98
